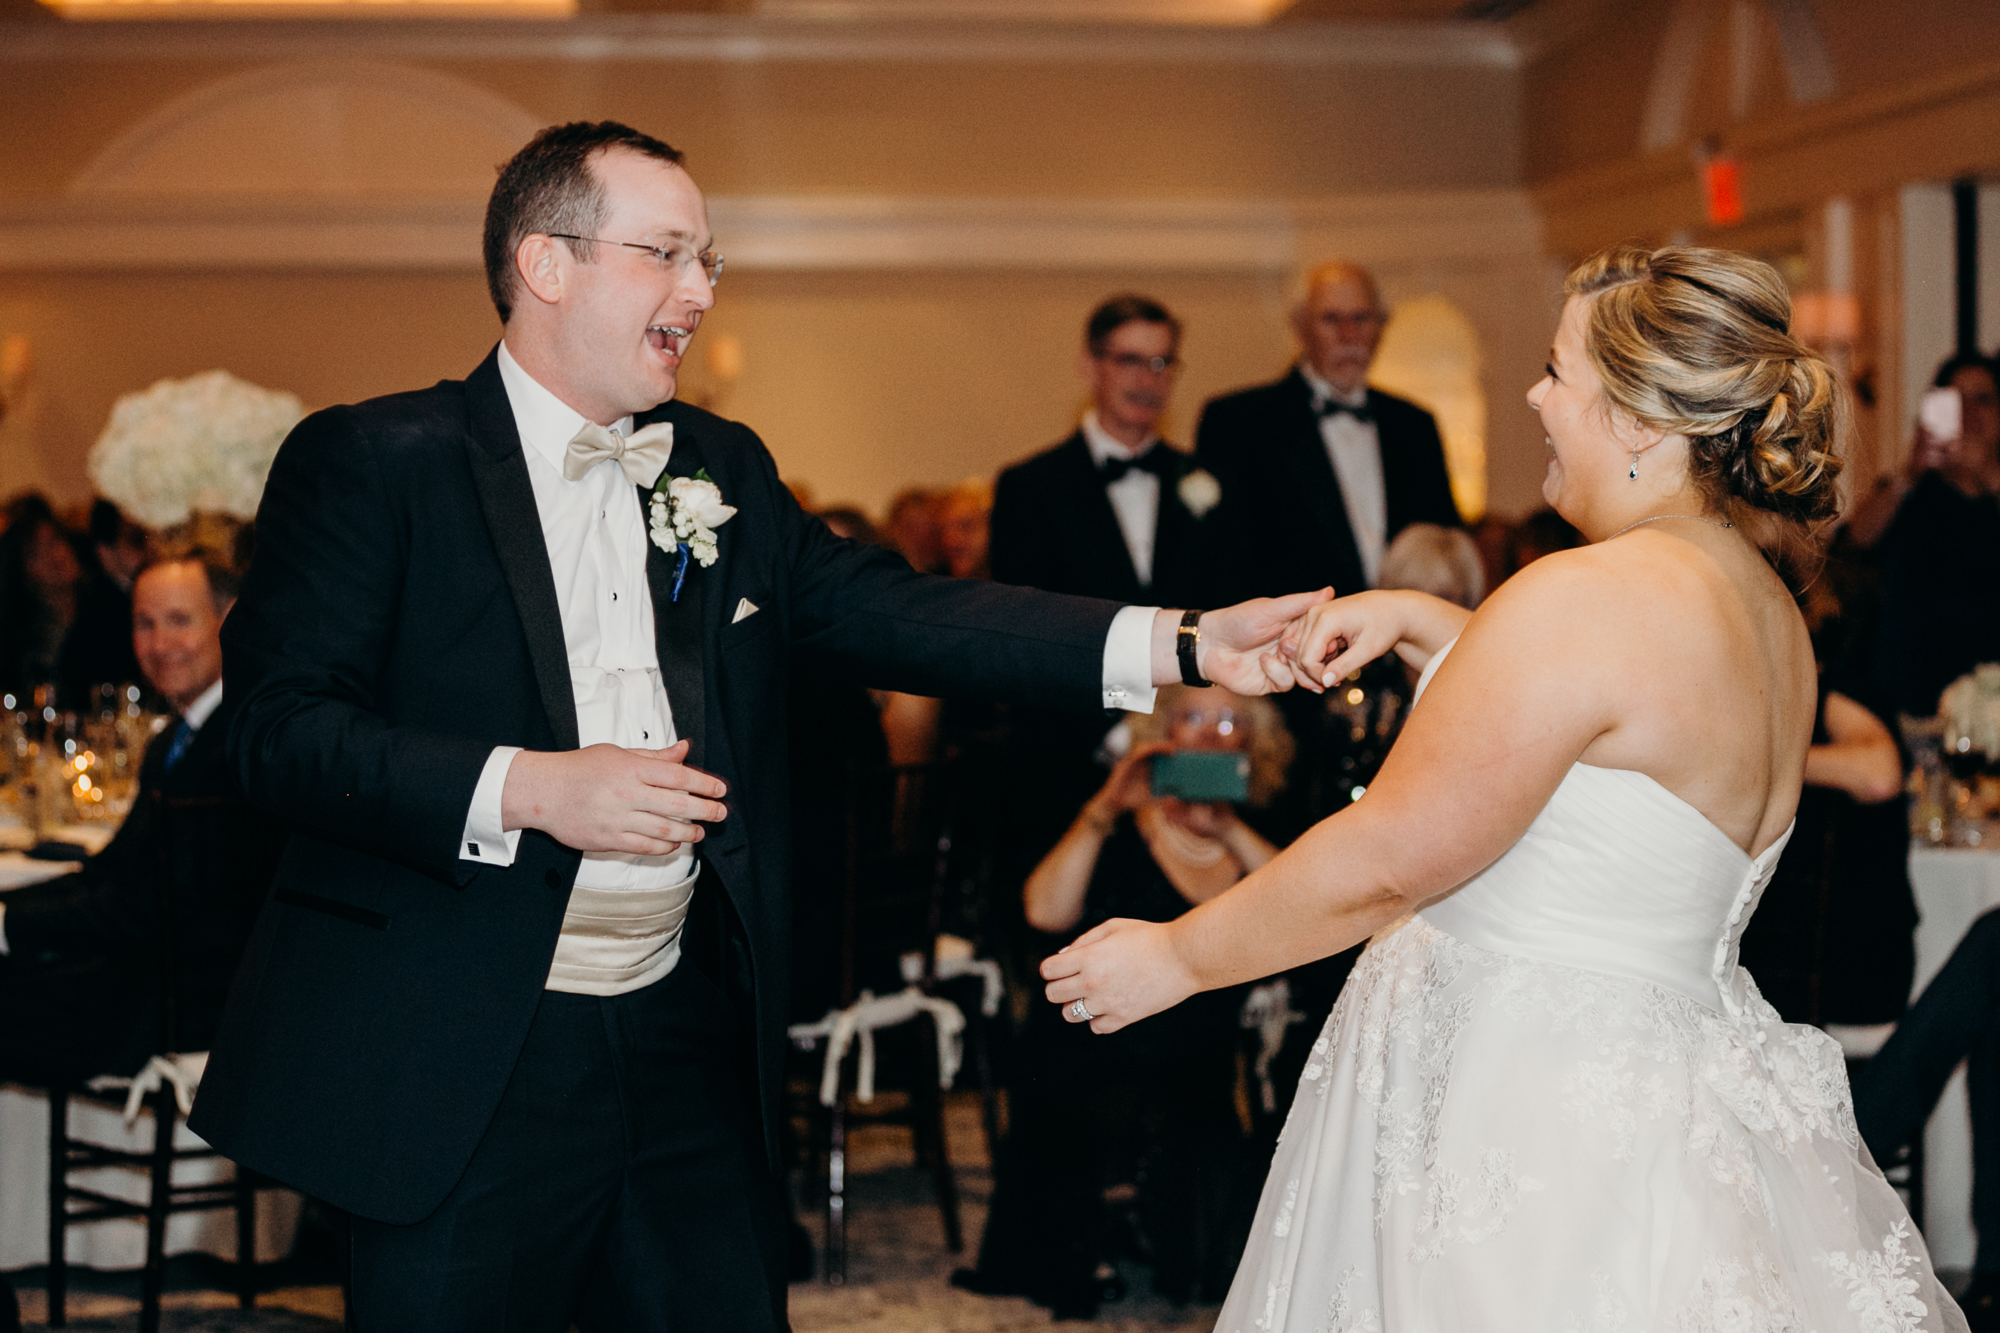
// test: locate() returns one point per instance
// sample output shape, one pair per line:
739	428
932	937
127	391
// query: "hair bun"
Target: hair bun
1698	343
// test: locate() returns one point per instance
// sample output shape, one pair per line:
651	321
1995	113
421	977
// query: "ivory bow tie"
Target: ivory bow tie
643	456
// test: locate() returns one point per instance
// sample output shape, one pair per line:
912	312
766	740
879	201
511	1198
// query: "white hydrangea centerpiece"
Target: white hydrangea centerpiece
204	443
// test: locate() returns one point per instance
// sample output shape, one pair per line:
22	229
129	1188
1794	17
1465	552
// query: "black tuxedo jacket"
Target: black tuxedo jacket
1281	503
219	861
399	622
1054	528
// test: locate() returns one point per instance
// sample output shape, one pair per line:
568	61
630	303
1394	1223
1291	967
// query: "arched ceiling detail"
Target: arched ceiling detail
327	129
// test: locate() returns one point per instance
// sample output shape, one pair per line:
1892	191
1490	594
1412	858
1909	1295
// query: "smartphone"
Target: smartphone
1942	414
1202	776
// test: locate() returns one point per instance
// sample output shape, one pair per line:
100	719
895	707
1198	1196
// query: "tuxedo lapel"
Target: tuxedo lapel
1176	553
1098	541
507	499
1310	469
679	627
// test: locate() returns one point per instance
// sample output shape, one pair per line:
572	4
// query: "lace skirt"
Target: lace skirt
1482	1141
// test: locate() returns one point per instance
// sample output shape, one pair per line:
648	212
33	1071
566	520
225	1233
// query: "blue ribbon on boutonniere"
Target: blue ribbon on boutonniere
681	559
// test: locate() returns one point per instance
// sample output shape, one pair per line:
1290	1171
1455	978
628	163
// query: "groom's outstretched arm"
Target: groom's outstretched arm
304	649
864	609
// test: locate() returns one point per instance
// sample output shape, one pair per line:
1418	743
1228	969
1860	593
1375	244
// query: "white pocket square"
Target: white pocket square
745	608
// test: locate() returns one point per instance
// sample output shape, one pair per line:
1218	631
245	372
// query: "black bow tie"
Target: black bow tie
1334	407
1158	460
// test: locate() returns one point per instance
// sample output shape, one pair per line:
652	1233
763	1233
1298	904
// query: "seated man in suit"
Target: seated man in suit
80	989
1112	511
1318	471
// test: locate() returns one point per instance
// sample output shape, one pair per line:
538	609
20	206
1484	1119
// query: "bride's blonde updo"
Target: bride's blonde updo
1698	343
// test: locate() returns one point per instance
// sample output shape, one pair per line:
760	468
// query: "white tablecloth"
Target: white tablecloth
24	1192
1954	887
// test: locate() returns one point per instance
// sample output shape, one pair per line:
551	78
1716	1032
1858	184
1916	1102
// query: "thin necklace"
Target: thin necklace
1714	522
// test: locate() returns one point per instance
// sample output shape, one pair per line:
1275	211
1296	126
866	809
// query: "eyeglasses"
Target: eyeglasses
1356	321
1223	720
671	257
1158	365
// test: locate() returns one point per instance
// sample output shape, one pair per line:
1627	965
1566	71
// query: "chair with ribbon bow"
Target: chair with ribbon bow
913	838
166	1085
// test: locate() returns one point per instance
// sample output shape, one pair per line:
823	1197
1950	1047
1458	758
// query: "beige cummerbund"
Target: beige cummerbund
612	943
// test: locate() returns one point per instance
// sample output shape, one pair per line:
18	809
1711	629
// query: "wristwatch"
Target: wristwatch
1185	642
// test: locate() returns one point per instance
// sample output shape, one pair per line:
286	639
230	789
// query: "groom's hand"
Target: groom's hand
605	798
1243	647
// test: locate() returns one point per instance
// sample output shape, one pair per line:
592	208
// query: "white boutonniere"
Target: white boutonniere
686	511
1199	491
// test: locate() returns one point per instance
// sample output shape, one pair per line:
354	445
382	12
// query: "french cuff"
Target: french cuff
484	840
1128	660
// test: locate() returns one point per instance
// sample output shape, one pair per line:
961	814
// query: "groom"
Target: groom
517	999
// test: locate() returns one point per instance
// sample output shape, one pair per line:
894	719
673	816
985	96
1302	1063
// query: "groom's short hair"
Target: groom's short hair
548	187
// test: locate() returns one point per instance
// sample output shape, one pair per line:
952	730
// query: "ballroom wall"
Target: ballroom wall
917	219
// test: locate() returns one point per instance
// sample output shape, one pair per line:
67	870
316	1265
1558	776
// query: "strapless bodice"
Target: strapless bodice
1617	874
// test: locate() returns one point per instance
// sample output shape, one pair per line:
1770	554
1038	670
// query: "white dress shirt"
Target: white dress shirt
194	715
1135	497
1355	449
622	927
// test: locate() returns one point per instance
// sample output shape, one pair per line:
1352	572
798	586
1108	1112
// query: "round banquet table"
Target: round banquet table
120	1243
1954	887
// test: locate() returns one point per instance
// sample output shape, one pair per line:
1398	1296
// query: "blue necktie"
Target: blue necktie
177	748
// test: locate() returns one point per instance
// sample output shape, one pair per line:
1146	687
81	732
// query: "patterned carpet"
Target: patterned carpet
898	1267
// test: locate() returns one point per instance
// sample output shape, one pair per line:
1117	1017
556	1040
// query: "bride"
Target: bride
1548	1098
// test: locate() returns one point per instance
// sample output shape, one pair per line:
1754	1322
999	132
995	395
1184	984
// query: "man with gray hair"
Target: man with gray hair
1319	471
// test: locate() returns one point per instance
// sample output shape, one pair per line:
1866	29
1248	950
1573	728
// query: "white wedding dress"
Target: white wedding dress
1552	1101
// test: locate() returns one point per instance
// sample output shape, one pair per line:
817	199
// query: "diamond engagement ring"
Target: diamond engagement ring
1078	1009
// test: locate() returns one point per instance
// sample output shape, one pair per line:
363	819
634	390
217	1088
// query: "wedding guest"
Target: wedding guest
964	519
41	577
1940	611
1101	513
118	543
912	529
1080	1106
1833	938
1319	471
1541	533
98	648
80	990
1957	1018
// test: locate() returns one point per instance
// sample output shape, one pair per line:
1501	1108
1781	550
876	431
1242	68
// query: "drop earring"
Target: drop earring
1634	473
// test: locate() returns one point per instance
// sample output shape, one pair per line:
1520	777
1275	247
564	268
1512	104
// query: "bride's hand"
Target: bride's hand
1242	646
1123	971
1336	639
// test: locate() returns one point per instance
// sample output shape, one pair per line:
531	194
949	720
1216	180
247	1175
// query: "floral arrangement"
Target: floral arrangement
686	511
203	443
1971	709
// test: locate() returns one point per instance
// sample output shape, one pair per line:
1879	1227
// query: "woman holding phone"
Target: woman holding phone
1160	1102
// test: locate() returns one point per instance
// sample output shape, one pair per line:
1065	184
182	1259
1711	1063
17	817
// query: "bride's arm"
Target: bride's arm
1536	677
1337	638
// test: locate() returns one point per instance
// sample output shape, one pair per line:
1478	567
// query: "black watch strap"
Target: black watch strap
1185	642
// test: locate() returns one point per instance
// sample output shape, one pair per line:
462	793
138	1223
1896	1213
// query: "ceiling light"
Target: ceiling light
319	9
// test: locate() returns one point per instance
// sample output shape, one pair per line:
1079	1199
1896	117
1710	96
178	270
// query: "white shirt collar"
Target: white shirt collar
1324	392
547	424
1103	448
204	705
